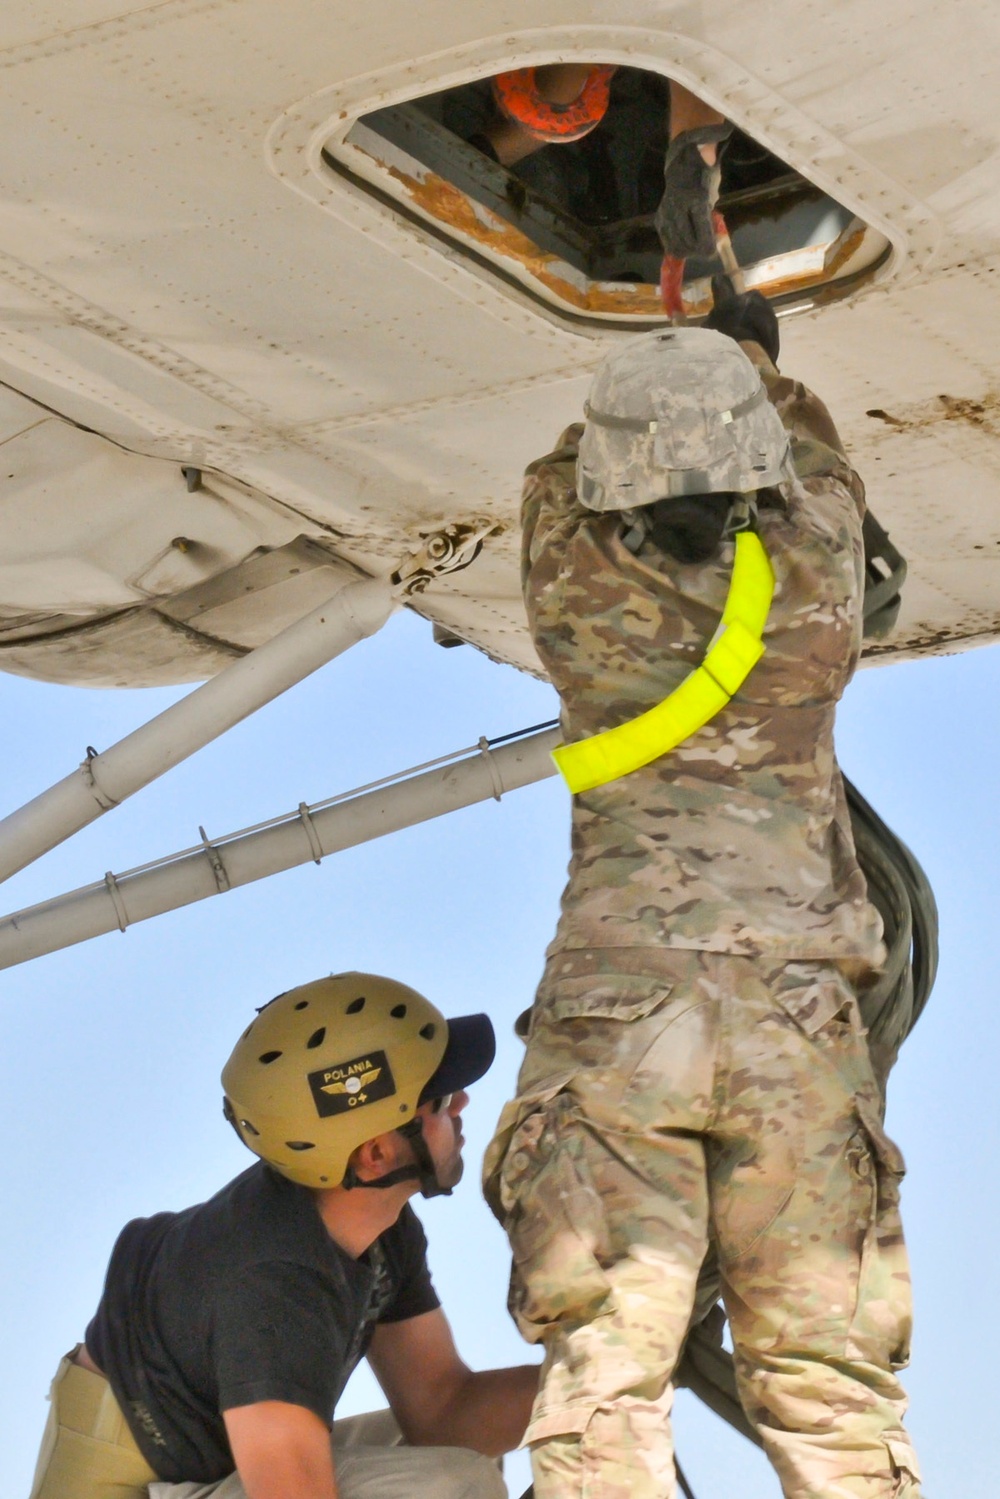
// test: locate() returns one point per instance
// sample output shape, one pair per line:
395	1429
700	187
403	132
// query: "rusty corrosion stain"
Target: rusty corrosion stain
885	416
983	414
442	201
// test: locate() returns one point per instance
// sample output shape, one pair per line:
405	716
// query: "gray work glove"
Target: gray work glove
690	189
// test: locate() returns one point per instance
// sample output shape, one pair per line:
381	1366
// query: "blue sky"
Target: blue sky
111	1101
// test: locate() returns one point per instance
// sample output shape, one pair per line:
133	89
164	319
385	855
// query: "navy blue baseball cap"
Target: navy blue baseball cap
472	1045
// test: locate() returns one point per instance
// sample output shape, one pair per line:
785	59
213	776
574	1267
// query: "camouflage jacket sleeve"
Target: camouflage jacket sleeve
817	450
549	513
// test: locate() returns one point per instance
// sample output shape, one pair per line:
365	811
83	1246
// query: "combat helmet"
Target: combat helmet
678	412
333	1063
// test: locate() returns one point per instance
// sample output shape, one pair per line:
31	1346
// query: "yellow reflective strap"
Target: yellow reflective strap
733	657
734	652
751	587
617	752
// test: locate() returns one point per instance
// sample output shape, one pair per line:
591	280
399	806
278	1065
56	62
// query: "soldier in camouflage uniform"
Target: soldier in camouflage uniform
696	1072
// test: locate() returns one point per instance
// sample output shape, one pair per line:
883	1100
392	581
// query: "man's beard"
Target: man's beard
449	1174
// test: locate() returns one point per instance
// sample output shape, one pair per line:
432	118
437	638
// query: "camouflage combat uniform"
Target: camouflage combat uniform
696	1071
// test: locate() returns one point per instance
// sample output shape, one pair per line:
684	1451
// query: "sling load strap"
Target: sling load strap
733	652
518	98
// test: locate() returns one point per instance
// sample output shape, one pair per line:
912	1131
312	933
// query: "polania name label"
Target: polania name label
350	1085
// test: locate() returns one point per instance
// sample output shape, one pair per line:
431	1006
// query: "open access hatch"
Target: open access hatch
573	221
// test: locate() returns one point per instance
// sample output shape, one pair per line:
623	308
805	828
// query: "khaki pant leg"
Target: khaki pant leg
371	1462
805	1208
371	1429
374	1462
87	1450
598	1172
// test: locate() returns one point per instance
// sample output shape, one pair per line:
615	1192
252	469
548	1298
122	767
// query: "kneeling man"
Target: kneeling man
227	1332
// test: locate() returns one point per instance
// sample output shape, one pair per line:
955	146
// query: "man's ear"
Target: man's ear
378	1156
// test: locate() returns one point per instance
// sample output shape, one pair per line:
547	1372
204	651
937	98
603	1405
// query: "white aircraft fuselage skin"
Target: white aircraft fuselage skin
188	283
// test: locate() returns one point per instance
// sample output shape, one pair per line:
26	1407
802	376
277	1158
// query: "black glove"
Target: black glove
746	315
690	188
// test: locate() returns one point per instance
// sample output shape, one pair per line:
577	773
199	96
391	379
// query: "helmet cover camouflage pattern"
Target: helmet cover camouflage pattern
677	412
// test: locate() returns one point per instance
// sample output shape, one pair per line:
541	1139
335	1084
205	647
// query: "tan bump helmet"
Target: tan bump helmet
329	1065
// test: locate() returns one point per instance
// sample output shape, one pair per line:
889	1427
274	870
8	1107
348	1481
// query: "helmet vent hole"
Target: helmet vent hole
303	1004
247	1031
250	1128
300	1145
354	1006
316	1039
428	1031
397	1012
267	1057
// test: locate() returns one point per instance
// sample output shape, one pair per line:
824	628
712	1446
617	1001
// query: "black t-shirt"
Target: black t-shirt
240	1299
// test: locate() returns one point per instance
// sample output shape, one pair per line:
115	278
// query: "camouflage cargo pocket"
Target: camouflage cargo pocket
905	1468
512	1116
880	1330
596	1028
605	996
553	1217
824	1007
892	1166
820	1002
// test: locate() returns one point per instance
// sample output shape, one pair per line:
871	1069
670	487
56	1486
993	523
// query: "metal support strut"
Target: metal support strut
485	770
105	780
356	611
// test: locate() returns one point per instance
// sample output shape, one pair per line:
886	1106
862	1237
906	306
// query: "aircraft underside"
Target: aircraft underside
272	323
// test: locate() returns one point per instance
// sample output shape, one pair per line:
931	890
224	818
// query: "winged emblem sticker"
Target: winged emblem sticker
351	1084
354	1084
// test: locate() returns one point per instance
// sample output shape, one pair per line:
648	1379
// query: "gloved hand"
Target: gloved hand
746	315
690	188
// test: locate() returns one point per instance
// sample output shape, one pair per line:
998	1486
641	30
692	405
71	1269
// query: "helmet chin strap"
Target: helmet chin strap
424	1171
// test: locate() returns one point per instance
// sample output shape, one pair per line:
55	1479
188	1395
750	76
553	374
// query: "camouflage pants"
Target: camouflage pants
701	1099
